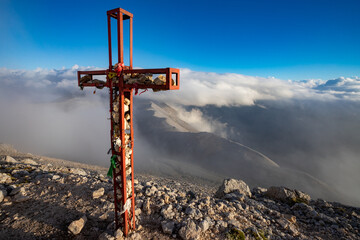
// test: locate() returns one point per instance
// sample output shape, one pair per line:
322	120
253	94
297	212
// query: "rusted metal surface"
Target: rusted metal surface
119	89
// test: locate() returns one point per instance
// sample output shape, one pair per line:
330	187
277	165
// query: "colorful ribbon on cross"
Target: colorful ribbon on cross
118	68
136	86
112	166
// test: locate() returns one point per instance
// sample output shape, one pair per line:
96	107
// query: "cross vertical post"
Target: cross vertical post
121	81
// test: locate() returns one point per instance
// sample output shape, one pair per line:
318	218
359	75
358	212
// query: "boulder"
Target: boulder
9	159
287	195
233	185
76	226
29	161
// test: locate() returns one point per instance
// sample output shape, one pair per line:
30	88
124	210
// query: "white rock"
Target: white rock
29	161
78	171
233	185
55	177
126	102
190	231
127	124
98	193
4	178
9	159
204	225
119	235
76	226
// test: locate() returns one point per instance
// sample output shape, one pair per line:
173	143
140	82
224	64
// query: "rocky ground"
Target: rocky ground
44	198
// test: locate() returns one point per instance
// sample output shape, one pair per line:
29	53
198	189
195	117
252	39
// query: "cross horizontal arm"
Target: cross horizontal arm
156	78
89	81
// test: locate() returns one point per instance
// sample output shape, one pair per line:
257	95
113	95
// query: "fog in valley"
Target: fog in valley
266	131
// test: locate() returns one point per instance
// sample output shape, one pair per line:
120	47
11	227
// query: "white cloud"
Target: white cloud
196	88
201	88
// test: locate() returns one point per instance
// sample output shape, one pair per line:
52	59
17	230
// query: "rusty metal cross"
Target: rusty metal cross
121	81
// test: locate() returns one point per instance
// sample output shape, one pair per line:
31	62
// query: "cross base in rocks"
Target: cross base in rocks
121	81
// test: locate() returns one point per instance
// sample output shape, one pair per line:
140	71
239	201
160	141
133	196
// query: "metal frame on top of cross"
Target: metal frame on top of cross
121	80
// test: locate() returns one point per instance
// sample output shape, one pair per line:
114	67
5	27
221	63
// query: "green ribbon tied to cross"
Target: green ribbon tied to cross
112	166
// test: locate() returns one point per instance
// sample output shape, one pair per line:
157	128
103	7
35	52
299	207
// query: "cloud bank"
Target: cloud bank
311	125
197	88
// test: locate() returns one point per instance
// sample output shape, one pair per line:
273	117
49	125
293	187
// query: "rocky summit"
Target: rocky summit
43	198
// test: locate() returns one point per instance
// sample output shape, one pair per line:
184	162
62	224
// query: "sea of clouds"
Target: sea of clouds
312	125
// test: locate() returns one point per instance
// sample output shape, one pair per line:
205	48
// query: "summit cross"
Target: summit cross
121	81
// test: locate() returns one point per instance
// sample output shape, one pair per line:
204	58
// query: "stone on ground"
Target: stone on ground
5	178
190	231
10	159
98	193
233	185
29	161
76	226
287	195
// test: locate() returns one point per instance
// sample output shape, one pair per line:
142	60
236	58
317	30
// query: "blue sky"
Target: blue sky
290	39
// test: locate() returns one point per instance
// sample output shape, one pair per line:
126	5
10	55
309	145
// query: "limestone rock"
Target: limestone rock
204	225
190	231
193	213
5	178
76	226
126	102
78	171
119	235
9	159
233	185
160	80
287	195
29	161
98	193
